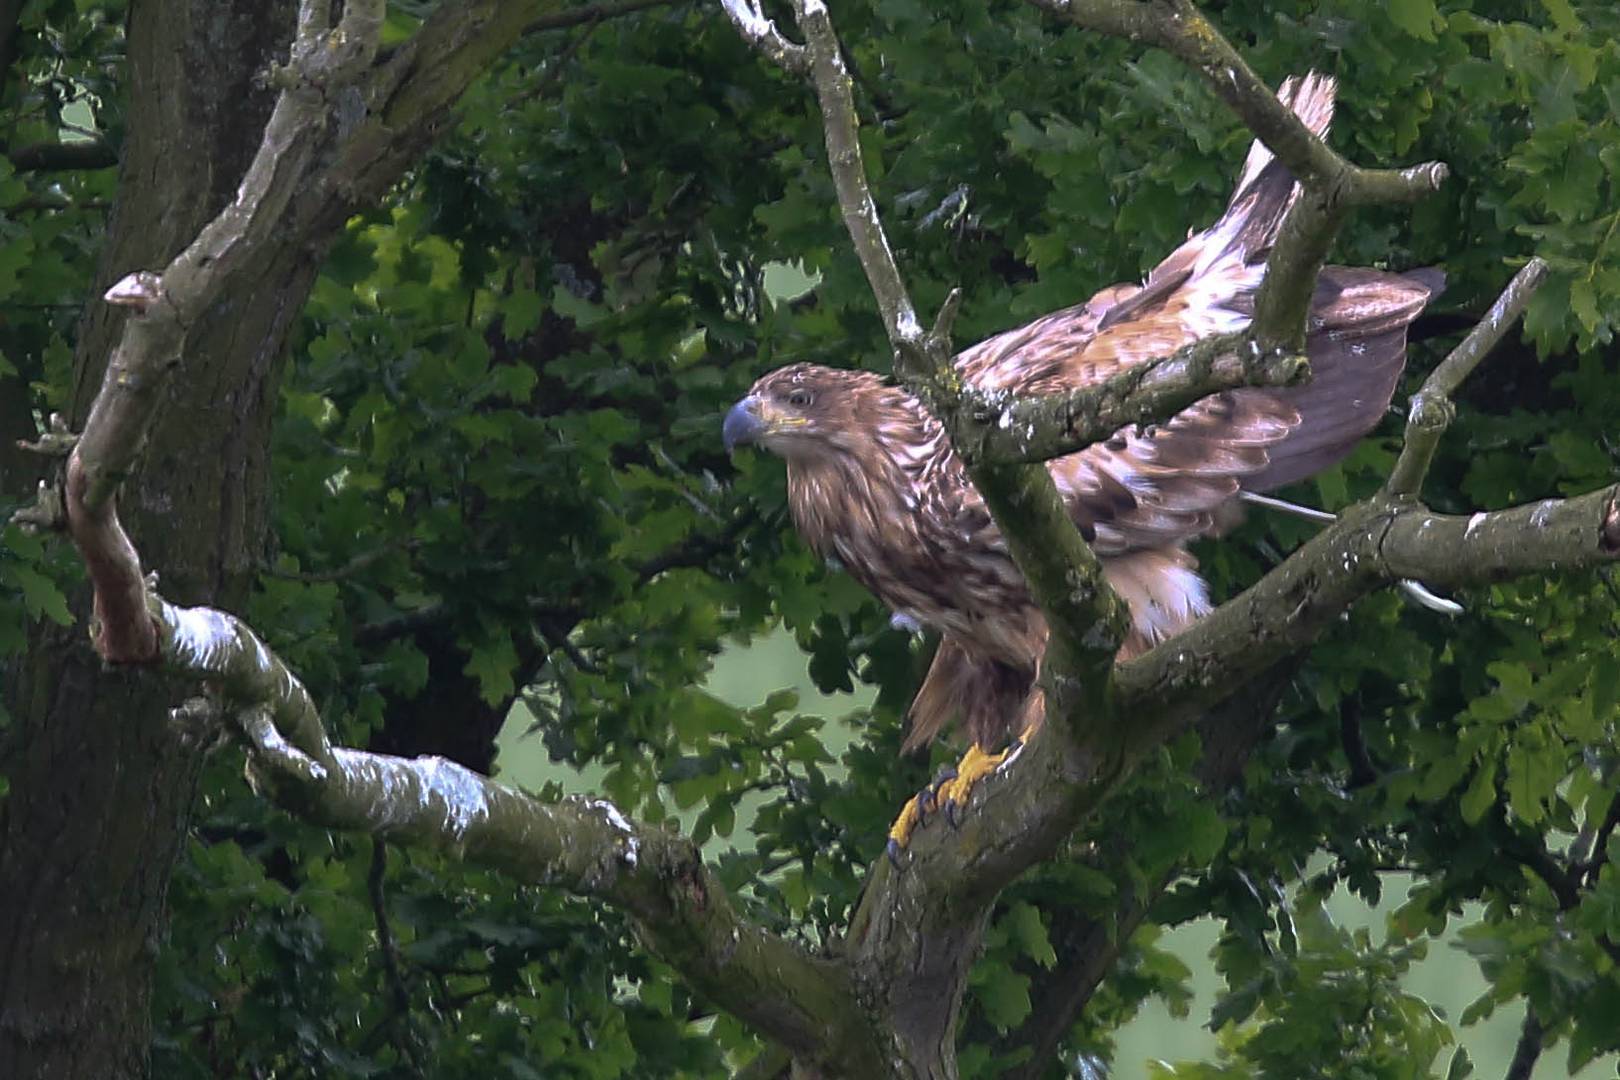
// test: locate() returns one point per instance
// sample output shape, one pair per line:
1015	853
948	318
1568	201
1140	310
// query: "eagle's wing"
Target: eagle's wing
1147	488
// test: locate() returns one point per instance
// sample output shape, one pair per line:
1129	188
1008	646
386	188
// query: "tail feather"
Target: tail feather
1265	188
1224	262
985	694
1311	98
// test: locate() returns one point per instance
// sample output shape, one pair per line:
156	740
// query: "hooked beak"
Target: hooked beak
743	423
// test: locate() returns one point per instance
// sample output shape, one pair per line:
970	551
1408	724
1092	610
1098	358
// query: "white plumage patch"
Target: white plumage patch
1163	591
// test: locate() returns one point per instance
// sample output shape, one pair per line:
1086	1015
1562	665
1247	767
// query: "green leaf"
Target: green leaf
40	595
1415	17
1029	931
1481	793
520	313
493	662
1002	993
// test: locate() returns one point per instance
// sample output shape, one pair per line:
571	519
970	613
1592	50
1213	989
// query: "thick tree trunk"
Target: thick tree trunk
99	786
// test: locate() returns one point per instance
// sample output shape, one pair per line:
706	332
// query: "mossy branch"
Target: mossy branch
1373	544
679	908
1007	429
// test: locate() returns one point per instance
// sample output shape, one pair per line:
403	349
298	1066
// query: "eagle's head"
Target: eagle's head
805	411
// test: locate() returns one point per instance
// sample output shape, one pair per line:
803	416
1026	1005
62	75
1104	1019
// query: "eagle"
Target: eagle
874	483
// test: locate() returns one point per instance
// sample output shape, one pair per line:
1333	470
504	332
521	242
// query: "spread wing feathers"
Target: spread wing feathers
1189	295
1357	347
1143	489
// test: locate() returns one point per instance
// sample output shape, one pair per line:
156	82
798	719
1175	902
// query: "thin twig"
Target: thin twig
356	565
1362	769
52	157
399	991
1592	860
1528	1049
593	13
1431	410
841	126
548	79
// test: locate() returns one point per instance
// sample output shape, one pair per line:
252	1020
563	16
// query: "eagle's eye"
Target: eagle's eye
799	397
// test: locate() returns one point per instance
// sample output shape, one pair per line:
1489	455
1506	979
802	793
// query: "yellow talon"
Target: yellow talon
911	816
951	790
975	765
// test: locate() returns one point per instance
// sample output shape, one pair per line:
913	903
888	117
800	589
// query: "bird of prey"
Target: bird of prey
873	481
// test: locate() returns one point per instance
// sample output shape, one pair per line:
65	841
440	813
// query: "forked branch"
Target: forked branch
165	303
1332	185
1431	409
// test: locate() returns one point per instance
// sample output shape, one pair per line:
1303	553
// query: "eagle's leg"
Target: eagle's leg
952	789
915	813
975	765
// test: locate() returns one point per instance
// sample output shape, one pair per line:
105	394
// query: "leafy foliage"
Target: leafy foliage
498	478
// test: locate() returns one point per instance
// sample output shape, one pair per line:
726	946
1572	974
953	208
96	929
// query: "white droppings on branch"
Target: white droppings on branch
632	846
459	788
199	638
906	322
139	290
1473	523
1543	513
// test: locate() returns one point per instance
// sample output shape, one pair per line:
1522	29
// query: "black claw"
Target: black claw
893	850
926	804
953	813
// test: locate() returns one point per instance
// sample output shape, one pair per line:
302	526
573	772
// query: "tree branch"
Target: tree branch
1371	545
164	304
1042	427
1431	409
1331	184
1528	1049
1087	947
57	157
762	34
593	13
680	909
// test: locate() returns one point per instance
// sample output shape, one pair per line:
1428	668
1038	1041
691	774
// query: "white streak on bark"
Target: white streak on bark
202	637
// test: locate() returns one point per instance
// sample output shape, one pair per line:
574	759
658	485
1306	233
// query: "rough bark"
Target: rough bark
99	785
99	789
18	471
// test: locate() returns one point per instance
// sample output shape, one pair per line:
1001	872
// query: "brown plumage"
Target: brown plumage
873	483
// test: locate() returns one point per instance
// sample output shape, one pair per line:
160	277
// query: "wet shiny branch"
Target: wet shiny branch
586	846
